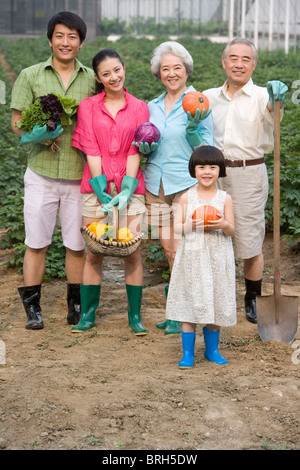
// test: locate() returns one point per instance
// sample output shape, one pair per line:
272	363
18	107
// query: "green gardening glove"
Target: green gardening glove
145	148
122	199
276	90
99	185
193	135
40	134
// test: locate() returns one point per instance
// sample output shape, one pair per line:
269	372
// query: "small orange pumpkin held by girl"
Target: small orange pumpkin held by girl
194	100
206	213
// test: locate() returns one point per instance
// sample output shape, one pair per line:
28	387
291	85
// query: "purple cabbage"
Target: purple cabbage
146	132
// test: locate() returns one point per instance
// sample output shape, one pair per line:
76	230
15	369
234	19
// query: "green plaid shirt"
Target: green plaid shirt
41	79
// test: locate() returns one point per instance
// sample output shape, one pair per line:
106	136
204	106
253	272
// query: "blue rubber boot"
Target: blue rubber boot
211	353
188	346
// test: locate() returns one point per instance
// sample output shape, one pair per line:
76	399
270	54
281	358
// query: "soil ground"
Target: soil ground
107	389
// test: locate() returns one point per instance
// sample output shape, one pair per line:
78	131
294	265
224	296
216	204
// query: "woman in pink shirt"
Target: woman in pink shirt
105	129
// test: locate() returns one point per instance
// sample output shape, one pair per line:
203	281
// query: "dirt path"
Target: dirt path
109	390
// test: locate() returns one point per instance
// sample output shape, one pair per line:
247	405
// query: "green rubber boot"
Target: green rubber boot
173	328
89	296
162	324
134	295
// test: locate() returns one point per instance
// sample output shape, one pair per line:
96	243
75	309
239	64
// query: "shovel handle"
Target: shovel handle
115	223
276	217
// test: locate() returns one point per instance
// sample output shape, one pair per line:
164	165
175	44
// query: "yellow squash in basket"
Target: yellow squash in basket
125	235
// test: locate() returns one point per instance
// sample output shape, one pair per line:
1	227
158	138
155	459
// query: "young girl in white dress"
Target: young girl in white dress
202	285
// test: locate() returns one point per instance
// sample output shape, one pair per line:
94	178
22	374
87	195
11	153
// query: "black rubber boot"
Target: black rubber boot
30	296
253	288
74	309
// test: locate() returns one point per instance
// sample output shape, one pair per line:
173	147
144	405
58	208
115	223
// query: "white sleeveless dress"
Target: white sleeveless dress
202	284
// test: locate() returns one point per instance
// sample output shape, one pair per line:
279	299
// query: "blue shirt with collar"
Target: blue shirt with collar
170	161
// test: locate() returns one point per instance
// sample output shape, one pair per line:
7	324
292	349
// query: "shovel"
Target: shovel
277	315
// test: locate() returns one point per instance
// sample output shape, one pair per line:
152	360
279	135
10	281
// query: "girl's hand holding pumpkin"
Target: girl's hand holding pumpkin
190	225
220	224
198	225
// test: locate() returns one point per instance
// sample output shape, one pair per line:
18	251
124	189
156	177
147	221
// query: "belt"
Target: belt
234	163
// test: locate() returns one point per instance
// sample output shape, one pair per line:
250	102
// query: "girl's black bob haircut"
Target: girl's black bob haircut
70	20
207	155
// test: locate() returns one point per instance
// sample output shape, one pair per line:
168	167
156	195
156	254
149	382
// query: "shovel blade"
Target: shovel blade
277	317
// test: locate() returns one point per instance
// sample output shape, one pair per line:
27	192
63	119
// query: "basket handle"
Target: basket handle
115	223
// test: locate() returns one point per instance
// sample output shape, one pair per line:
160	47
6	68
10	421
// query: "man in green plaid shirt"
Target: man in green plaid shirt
52	179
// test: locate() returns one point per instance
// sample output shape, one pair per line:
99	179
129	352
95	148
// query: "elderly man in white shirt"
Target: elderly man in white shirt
243	130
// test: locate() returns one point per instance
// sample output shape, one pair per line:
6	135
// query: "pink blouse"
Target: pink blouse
97	133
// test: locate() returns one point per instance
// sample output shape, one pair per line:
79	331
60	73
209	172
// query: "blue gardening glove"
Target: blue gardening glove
276	90
121	200
99	185
145	148
40	134
193	135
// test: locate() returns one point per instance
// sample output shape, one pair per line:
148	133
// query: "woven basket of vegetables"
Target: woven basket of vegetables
109	240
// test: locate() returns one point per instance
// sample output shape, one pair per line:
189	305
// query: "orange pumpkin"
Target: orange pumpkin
194	100
206	213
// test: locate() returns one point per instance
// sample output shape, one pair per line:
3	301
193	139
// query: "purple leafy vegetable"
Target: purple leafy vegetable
146	132
51	104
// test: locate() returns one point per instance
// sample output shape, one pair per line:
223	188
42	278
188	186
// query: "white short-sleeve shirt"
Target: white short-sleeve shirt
243	126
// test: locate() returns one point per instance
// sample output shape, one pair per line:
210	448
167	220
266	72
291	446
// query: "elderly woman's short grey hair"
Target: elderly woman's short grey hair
170	47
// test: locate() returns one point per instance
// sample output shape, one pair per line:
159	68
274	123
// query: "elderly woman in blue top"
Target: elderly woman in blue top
166	172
